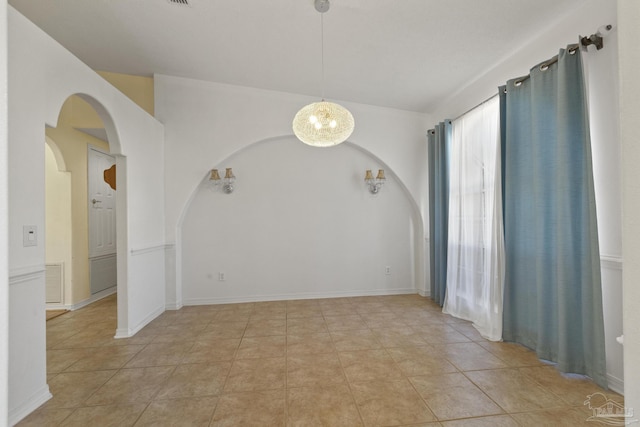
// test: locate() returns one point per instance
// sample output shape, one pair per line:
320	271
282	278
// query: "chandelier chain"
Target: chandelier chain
322	49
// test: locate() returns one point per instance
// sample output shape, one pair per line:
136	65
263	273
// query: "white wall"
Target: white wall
629	57
4	271
300	224
206	123
41	76
602	67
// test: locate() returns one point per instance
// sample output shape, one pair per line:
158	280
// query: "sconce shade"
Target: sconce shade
228	174
374	185
323	124
214	175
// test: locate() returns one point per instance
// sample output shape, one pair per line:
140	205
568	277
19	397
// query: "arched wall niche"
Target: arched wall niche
300	224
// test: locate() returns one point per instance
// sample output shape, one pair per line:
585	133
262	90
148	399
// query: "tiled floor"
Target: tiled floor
374	361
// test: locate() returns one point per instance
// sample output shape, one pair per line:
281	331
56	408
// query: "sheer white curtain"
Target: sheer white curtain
475	265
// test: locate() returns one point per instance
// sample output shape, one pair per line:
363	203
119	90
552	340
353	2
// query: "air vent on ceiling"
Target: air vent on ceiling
180	2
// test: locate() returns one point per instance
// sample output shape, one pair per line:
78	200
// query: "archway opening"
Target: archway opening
83	225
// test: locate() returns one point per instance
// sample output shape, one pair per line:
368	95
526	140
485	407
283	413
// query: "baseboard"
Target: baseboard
615	384
30	405
129	332
281	297
424	293
173	306
93	298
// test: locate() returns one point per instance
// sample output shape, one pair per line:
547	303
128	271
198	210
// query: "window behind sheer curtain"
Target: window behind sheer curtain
475	245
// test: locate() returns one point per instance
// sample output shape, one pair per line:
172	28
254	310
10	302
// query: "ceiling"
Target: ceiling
404	54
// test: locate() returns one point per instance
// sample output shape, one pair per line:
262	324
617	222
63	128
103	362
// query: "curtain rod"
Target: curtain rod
596	39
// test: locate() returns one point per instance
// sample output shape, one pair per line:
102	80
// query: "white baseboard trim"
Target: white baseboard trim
30	405
129	332
173	306
93	298
281	297
615	384
424	293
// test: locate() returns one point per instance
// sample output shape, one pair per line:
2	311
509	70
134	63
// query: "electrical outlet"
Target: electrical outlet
221	276
387	270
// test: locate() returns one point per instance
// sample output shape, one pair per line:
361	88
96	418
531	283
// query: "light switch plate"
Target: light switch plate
29	235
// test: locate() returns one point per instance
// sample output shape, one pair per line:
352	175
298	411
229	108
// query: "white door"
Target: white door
102	222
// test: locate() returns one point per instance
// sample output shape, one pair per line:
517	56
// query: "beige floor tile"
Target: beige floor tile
260	347
420	360
179	412
326	338
160	354
55	338
469	356
105	416
468	330
344	323
369	365
573	389
371	307
196	317
113	357
390	403
567	417
322	406
495	421
143	337
266	327
514	391
256	375
223	329
179	333
353	340
72	389
398	337
212	351
512	354
269	313
137	385
440	334
311	311
337	310
452	396
309	370
194	380
59	360
45	418
87	339
310	343
266	408
306	325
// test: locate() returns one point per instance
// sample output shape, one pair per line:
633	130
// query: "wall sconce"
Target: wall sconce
227	181
374	184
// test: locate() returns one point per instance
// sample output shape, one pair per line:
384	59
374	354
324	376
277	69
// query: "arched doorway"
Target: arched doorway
80	138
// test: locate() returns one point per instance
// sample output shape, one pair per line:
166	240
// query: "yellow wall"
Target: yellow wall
58	219
74	145
138	89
